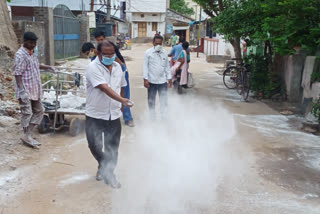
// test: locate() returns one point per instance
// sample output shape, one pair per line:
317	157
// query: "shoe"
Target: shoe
35	142
112	182
29	141
99	176
130	123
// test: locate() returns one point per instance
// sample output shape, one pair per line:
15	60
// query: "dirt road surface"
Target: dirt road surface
213	155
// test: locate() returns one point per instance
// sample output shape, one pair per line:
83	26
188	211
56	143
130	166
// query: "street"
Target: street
213	155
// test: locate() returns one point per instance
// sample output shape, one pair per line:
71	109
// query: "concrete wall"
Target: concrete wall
123	28
45	15
84	29
292	76
38	28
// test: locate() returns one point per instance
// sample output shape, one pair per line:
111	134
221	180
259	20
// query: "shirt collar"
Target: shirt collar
26	51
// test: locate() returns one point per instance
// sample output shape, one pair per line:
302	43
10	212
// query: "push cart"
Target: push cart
56	116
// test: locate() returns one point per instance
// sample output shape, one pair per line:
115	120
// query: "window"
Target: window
154	26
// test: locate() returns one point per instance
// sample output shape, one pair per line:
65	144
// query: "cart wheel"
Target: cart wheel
44	126
75	127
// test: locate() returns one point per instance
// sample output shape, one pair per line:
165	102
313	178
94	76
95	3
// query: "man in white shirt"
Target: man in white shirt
105	82
157	76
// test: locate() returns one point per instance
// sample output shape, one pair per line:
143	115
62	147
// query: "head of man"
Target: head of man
157	42
88	49
100	37
29	40
106	53
185	45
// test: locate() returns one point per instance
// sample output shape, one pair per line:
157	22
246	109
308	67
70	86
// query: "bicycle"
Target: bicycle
237	77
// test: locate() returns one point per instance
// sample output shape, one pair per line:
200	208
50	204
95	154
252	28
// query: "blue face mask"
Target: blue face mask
35	51
108	61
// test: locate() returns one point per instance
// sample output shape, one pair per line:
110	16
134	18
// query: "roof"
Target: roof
180	14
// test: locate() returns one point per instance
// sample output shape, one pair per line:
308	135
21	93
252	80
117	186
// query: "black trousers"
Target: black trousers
104	139
162	89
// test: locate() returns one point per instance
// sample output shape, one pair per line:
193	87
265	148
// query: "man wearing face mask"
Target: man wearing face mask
28	88
105	83
157	76
89	50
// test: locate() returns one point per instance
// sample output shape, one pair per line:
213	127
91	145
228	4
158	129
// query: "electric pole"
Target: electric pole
91	5
198	42
108	10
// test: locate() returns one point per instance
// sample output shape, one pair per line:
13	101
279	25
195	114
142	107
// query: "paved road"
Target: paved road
214	154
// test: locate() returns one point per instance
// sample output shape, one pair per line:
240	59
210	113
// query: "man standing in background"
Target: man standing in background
157	76
28	86
173	39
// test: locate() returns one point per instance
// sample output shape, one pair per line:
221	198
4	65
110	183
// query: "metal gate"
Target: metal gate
66	33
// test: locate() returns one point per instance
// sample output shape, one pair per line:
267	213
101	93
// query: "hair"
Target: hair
99	33
185	45
104	44
157	37
87	47
117	52
30	36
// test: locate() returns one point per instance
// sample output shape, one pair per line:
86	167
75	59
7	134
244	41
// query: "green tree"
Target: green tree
227	18
290	24
181	7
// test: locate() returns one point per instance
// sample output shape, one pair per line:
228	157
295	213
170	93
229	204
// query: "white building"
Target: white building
146	17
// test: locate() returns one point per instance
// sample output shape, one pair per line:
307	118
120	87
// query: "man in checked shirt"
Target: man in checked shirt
28	86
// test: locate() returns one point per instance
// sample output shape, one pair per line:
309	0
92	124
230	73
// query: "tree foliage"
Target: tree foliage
181	7
289	24
285	23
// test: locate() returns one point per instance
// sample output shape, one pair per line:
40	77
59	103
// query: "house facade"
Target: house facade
146	17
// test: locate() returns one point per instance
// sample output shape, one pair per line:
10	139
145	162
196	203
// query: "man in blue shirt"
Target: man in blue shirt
176	51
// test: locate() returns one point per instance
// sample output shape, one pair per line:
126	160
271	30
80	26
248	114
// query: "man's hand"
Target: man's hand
126	103
170	83
24	96
146	84
48	68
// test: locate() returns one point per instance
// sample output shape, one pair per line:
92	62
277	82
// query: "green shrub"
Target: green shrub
262	78
315	76
316	109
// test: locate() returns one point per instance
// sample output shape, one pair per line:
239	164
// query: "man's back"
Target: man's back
176	51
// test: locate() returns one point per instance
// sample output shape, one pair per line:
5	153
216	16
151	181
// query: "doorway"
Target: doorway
142	29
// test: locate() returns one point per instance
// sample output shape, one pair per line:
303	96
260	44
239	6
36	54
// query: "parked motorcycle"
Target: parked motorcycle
120	42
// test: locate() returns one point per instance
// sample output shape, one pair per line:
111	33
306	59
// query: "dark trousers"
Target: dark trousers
104	139
127	116
162	89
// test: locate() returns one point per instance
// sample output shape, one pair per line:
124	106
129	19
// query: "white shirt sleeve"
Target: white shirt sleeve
123	80
145	65
94	76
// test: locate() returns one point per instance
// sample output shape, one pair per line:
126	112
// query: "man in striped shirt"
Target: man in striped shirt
28	86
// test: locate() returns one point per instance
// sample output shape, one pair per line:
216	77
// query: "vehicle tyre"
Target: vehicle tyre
230	77
75	127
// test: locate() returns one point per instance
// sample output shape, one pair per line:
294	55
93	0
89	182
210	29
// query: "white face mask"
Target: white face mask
158	48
